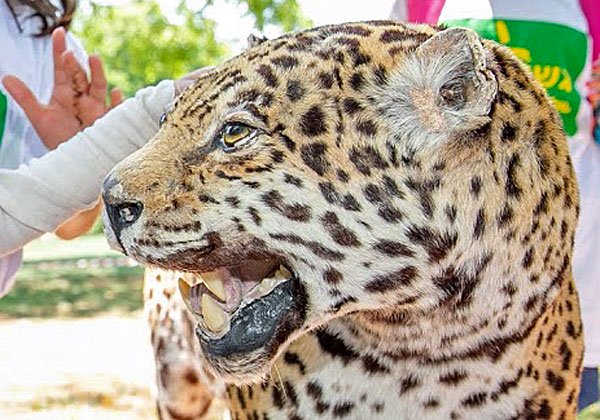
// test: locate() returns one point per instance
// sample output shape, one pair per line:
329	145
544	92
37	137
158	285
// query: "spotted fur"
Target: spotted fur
418	182
184	389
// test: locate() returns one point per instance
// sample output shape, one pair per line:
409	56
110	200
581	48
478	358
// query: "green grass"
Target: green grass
53	249
73	292
50	283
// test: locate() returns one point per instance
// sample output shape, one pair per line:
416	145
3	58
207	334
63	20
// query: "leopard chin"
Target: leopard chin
256	334
244	314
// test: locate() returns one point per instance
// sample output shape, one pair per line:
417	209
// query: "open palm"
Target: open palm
76	102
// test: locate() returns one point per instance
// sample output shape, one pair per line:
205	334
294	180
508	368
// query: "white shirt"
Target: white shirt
30	59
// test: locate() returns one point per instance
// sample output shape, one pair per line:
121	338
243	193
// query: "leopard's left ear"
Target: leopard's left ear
444	86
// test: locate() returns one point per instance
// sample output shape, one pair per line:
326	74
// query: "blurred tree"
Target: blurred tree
141	46
285	13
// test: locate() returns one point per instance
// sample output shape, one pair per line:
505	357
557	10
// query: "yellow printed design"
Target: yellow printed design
555	53
548	75
504	38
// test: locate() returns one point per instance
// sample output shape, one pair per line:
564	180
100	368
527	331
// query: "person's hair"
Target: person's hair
47	12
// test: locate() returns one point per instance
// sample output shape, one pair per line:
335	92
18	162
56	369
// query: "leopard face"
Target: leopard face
375	169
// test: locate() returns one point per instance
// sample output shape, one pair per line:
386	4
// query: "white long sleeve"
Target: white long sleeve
38	197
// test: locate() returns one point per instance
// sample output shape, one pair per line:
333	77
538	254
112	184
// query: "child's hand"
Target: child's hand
90	101
75	102
56	121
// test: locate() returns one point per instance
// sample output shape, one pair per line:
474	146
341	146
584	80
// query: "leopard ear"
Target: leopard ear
459	70
444	86
254	40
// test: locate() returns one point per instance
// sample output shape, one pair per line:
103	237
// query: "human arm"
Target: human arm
39	197
90	106
76	102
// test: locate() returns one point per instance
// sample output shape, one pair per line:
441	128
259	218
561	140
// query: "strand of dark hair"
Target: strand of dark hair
50	16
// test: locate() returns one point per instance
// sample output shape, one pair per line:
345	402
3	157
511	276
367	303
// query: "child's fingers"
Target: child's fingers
98	84
24	97
116	97
75	73
59	46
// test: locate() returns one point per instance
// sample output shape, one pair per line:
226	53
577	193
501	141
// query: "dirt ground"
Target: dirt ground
76	369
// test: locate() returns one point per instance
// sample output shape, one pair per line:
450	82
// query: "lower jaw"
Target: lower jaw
259	328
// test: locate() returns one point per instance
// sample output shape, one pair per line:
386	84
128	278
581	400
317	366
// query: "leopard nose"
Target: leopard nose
121	211
123	214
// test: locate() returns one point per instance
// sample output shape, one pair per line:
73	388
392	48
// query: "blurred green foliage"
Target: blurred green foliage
140	45
590	413
285	13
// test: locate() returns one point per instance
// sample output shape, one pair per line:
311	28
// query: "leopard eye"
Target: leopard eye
236	135
162	120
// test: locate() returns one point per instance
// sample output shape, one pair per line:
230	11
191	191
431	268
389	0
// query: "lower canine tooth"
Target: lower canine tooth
213	315
184	290
214	283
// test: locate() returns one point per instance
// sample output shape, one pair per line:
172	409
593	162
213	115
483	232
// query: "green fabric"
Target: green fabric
555	53
3	113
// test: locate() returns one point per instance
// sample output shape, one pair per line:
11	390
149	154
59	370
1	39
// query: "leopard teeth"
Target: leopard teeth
283	273
214	317
184	290
214	283
268	284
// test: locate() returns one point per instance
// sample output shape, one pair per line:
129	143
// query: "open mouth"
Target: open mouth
244	307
